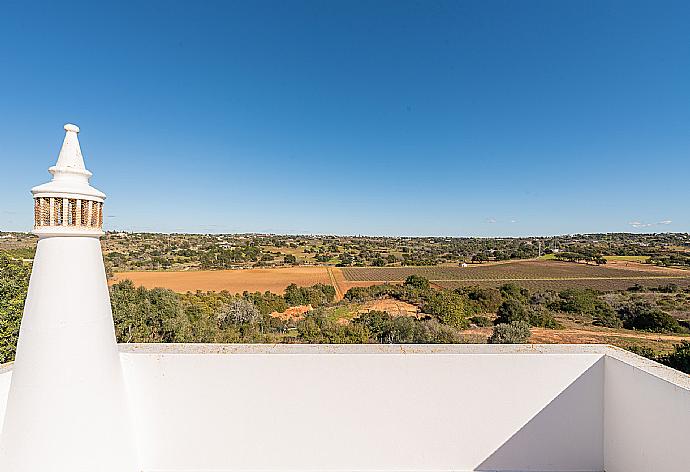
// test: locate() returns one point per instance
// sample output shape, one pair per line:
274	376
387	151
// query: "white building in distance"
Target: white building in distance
75	401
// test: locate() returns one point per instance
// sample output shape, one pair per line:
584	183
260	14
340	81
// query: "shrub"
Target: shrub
316	295
516	332
361	294
643	316
449	307
486	299
543	318
384	328
14	282
643	351
267	302
316	327
481	321
606	316
679	358
586	304
418	282
238	312
515	292
511	310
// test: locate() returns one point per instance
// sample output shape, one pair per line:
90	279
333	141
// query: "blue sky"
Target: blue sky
382	118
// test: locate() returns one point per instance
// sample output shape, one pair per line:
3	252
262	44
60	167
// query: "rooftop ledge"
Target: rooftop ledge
660	371
466	407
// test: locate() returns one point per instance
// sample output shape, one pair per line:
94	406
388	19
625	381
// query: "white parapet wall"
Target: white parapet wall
646	415
5	379
556	408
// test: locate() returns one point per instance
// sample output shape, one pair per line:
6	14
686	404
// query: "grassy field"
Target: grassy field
627	258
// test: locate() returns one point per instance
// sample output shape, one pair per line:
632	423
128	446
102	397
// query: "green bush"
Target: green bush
418	282
449	307
680	358
516	332
383	328
585	304
511	310
606	316
485	299
514	291
266	302
481	321
646	317
541	317
316	295
14	282
316	327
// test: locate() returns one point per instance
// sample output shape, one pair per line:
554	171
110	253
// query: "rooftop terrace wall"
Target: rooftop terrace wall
199	407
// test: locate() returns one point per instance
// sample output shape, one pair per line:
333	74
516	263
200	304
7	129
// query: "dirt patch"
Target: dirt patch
648	268
294	313
234	281
391	306
594	335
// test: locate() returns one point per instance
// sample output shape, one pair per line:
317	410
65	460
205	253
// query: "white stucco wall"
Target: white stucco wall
647	416
67	393
365	408
5	378
402	408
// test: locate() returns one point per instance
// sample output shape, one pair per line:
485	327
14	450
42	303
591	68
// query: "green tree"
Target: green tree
680	358
14	282
541	317
514	291
417	281
586	304
511	310
239	311
449	307
142	315
486	299
316	295
646	317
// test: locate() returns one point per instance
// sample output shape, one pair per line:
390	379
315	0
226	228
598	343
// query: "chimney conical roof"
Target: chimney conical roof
70	154
70	176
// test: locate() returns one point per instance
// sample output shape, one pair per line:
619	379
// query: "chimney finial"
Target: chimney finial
68	205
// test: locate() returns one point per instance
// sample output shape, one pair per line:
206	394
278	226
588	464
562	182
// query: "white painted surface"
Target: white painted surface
647	419
66	410
320	410
5	378
70	180
199	407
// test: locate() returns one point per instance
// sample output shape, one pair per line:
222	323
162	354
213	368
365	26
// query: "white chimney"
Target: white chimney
67	406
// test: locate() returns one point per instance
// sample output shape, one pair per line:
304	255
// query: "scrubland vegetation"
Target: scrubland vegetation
510	313
582	298
150	251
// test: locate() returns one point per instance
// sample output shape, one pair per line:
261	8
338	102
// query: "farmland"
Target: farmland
530	274
233	281
534	275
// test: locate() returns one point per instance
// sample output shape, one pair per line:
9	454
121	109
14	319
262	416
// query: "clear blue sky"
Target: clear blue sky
397	118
